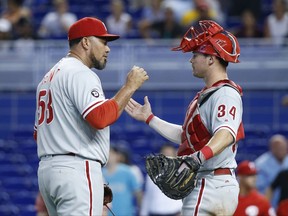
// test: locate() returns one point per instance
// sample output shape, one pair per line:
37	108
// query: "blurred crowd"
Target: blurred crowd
263	182
43	19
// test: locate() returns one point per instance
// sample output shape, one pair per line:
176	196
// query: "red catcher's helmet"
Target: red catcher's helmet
212	39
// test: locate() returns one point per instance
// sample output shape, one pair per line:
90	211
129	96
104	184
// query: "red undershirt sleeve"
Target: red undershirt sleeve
103	115
35	133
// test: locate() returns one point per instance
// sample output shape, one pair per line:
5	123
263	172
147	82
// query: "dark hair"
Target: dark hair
221	61
74	42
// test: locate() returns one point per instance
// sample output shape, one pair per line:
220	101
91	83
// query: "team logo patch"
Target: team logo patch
95	93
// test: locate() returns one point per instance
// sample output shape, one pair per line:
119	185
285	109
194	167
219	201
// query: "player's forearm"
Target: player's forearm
220	140
122	97
170	131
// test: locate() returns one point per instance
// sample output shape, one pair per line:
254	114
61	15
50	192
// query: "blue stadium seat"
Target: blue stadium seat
27	210
8	146
13	170
24	198
9	210
18	184
4	197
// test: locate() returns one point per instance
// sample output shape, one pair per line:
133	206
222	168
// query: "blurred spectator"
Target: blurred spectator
5	34
201	10
5	29
217	7
124	156
238	6
119	22
271	163
55	24
166	29
23	29
135	8
251	202
40	207
24	38
123	184
179	7
282	208
15	11
276	24
155	202
249	27
281	183
135	4
285	100
152	12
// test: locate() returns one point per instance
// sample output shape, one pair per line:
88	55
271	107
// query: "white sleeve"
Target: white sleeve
170	131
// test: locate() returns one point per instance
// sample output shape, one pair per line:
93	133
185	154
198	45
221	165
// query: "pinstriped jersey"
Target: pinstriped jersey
65	96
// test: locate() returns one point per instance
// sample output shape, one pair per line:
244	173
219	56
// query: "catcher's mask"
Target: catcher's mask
211	39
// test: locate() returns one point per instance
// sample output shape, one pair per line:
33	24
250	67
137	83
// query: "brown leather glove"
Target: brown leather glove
108	195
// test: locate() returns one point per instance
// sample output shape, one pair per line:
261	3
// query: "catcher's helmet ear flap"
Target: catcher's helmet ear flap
212	39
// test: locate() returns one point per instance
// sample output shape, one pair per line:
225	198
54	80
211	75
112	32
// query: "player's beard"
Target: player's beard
97	64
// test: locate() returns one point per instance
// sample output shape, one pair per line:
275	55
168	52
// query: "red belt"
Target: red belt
222	171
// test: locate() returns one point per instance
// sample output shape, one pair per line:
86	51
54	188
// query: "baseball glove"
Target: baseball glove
176	176
108	195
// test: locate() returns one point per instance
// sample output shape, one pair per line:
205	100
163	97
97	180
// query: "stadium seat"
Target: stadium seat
4	197
9	210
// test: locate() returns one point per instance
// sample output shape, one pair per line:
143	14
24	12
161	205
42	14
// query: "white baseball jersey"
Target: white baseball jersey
65	96
216	108
225	106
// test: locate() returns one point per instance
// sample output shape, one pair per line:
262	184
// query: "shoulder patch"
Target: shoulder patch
95	93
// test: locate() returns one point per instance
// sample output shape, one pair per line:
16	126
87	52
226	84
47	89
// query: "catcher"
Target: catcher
203	172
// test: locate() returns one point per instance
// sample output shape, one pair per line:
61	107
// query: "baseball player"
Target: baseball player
213	122
251	202
72	122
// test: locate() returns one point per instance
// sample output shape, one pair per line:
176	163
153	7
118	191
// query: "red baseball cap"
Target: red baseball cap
246	168
89	26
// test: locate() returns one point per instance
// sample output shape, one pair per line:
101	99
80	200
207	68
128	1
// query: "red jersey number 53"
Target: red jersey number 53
45	107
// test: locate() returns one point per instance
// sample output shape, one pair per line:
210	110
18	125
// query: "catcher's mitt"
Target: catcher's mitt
174	176
108	195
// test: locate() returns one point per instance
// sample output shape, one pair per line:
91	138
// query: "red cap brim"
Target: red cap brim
109	37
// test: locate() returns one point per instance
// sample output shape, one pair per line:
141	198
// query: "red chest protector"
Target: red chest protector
195	135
